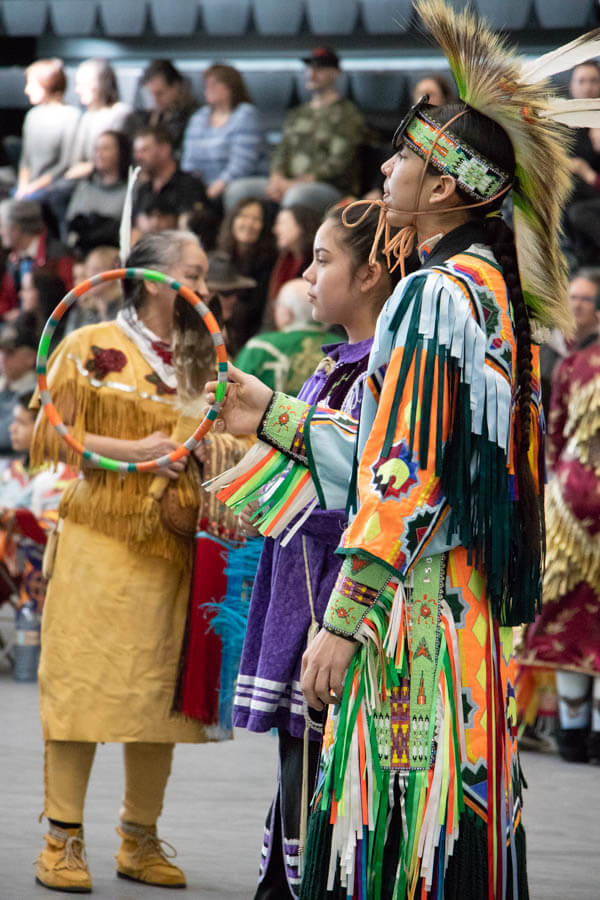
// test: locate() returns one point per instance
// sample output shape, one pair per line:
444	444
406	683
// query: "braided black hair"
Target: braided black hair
491	140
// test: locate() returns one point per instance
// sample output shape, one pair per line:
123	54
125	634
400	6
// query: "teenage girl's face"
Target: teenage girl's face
332	283
34	90
248	224
402	173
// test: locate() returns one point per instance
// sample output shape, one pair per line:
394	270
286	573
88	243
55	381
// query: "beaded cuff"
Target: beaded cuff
282	426
351	599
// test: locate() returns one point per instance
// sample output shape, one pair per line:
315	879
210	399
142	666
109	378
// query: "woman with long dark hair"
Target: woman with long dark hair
246	236
420	793
94	212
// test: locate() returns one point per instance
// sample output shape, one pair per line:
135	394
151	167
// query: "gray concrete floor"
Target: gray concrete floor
215	806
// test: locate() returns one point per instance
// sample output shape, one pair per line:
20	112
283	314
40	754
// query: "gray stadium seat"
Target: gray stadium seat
277	17
25	18
271	91
123	18
343	85
510	15
332	16
226	16
387	16
563	13
172	18
12	88
379	91
72	19
128	79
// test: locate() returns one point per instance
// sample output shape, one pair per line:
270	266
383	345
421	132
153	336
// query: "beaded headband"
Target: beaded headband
476	175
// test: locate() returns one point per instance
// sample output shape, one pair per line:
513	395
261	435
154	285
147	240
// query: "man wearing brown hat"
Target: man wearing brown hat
316	162
233	301
25	237
18	347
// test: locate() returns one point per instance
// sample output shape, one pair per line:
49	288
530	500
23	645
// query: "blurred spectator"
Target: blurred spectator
229	295
584	301
94	212
295	228
101	303
26	238
583	210
18	351
96	86
29	502
317	160
246	235
161	175
224	140
285	358
438	88
48	129
156	214
172	98
41	292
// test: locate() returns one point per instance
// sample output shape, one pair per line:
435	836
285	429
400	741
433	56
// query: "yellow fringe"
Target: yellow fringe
107	501
572	555
223	451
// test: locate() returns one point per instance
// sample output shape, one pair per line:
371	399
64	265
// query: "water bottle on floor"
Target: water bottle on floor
27	643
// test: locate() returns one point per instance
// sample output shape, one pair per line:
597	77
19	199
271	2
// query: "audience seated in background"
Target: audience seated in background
29	245
172	98
96	86
246	235
317	161
295	228
229	301
18	351
161	177
41	292
438	88
224	141
285	358
94	212
582	215
101	303
48	129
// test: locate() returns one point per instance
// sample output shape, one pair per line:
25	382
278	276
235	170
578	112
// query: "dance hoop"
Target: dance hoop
105	462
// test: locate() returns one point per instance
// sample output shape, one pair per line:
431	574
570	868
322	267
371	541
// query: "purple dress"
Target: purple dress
268	693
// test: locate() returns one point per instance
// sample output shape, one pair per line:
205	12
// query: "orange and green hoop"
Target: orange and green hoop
105	462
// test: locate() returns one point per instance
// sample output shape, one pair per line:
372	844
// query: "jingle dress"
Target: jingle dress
421	785
116	604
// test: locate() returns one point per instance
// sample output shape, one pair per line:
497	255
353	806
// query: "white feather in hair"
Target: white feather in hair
125	227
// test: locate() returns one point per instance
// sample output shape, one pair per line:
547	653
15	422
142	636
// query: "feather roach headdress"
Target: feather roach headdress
493	80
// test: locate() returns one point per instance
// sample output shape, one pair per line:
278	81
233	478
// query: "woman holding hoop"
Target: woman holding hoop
118	592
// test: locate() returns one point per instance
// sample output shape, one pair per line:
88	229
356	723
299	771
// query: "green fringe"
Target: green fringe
485	519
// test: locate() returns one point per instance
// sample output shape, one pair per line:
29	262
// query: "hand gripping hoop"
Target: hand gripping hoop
105	462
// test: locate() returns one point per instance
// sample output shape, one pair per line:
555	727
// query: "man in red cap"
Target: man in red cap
316	162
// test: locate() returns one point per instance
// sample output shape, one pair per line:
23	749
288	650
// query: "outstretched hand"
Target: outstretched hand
245	402
324	666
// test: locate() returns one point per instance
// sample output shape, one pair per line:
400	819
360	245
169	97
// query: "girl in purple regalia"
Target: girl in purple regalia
296	576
